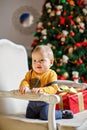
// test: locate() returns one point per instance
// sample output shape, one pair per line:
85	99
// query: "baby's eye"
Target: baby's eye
34	61
42	60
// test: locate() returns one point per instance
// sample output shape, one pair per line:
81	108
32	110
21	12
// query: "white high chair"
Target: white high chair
13	67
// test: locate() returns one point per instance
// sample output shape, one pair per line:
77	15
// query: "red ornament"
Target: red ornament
62	21
80	61
78	44
61	77
72	33
64	13
84	43
34	43
58	37
83	79
71	21
81	3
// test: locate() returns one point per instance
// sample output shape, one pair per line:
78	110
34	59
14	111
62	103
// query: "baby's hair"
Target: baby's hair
44	49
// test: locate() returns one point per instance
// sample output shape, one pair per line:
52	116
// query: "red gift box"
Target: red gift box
75	102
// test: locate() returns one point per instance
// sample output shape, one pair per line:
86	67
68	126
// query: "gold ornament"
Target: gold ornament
66	75
53	27
41	40
49	23
53	47
78	19
58	70
62	43
71	12
58	25
70	51
52	14
81	17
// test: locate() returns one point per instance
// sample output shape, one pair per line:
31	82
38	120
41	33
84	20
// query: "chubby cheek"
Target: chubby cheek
46	66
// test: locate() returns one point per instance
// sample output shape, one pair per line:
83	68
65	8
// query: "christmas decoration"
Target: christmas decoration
63	26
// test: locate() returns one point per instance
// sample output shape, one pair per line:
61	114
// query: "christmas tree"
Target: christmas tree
63	26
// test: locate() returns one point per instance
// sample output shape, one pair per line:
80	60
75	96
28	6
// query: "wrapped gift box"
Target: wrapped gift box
75	102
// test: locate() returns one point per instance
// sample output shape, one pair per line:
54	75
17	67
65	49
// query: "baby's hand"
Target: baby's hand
24	90
36	90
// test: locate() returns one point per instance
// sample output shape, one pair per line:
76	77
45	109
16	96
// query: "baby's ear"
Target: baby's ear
51	62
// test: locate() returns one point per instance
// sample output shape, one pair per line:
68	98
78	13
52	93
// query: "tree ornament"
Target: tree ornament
58	25
49	23
80	61
75	76
53	47
59	64
66	75
44	32
80	3
62	20
59	9
64	35
53	27
39	26
62	43
52	13
78	19
71	2
63	1
85	11
61	77
72	33
44	37
78	44
81	27
64	13
58	70
41	40
82	18
70	50
67	25
48	6
34	42
59	52
58	36
65	59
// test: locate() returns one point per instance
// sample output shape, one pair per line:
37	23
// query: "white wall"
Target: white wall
7	30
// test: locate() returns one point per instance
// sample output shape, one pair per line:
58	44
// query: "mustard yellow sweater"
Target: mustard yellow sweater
33	79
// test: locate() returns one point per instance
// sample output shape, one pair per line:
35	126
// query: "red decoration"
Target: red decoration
34	43
62	21
81	3
84	43
70	19
58	37
64	13
61	78
78	44
83	79
80	61
72	33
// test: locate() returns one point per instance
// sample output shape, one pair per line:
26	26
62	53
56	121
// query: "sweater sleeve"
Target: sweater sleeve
51	89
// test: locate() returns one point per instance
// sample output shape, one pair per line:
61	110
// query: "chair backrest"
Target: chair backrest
13	67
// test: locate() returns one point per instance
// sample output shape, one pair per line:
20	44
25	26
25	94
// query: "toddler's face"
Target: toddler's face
40	62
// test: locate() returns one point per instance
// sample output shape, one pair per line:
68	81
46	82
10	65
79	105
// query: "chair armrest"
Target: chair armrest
51	99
